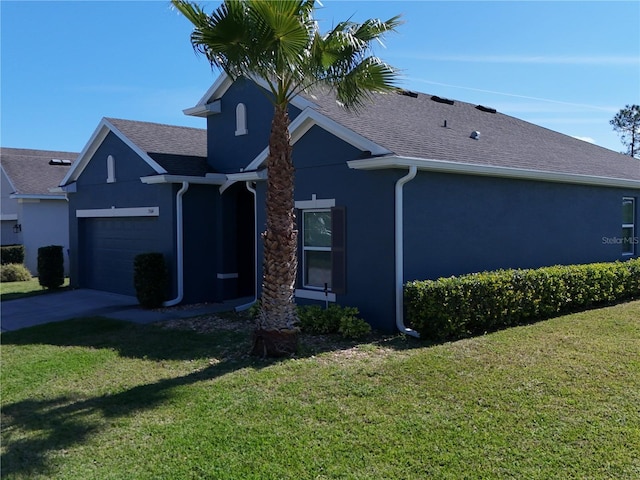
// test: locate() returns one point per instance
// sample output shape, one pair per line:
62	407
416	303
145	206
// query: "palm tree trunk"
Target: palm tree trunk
276	332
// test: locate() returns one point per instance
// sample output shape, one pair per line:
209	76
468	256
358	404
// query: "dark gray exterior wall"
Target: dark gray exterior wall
456	224
368	201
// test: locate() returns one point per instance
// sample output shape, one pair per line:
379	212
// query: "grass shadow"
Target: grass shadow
33	428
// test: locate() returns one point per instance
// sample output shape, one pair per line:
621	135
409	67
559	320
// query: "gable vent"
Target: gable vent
482	108
55	161
442	100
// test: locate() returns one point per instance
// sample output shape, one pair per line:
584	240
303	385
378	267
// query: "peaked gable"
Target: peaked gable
167	149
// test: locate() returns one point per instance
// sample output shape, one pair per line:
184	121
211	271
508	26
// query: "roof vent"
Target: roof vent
475	135
408	93
442	100
55	161
482	108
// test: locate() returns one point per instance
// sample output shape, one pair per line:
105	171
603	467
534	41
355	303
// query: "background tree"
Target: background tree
627	124
279	42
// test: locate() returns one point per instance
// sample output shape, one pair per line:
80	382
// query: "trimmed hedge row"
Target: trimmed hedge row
11	254
456	307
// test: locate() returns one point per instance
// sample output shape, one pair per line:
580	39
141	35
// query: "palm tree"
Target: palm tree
279	43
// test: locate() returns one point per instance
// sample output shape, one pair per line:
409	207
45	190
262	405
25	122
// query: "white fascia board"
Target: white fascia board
118	212
101	132
25	196
310	117
13	187
212	108
8	216
446	166
210	179
209	103
252	176
219	87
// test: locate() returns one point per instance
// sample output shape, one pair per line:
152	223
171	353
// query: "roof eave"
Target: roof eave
206	110
209	179
445	166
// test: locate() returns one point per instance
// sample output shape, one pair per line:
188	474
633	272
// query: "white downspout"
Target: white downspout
399	241
179	247
240	308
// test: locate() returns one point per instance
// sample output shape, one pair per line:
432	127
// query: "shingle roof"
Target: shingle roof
30	172
161	138
164	143
413	126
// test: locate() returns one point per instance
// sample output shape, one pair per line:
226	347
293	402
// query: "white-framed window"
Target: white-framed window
241	119
322	244
316	248
111	169
629	238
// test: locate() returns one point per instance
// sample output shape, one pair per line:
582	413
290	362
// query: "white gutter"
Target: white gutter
179	247
447	166
246	306
399	241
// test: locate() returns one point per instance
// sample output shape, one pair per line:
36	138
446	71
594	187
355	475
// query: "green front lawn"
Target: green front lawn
14	290
99	399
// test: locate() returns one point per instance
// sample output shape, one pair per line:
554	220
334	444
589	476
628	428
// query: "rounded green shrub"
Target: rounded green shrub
51	266
14	272
150	279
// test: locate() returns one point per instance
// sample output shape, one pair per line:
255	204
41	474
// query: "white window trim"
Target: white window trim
227	276
111	169
307	291
241	119
632	226
119	212
322	203
315	295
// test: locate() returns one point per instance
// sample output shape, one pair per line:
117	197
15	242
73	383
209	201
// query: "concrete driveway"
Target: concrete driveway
54	307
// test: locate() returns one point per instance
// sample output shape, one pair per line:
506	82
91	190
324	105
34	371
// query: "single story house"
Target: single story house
412	186
34	212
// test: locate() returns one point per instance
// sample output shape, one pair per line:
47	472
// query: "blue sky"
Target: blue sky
569	66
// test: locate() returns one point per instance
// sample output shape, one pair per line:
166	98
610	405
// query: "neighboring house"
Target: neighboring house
411	187
34	211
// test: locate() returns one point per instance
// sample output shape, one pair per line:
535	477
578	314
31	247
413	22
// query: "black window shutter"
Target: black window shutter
338	250
299	280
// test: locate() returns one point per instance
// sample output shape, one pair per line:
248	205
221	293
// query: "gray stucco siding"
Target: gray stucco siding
456	224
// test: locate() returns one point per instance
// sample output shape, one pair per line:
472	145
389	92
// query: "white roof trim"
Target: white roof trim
446	166
35	196
307	119
8	216
13	187
220	87
210	179
100	133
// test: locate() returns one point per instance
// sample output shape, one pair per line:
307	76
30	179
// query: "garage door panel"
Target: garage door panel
109	247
